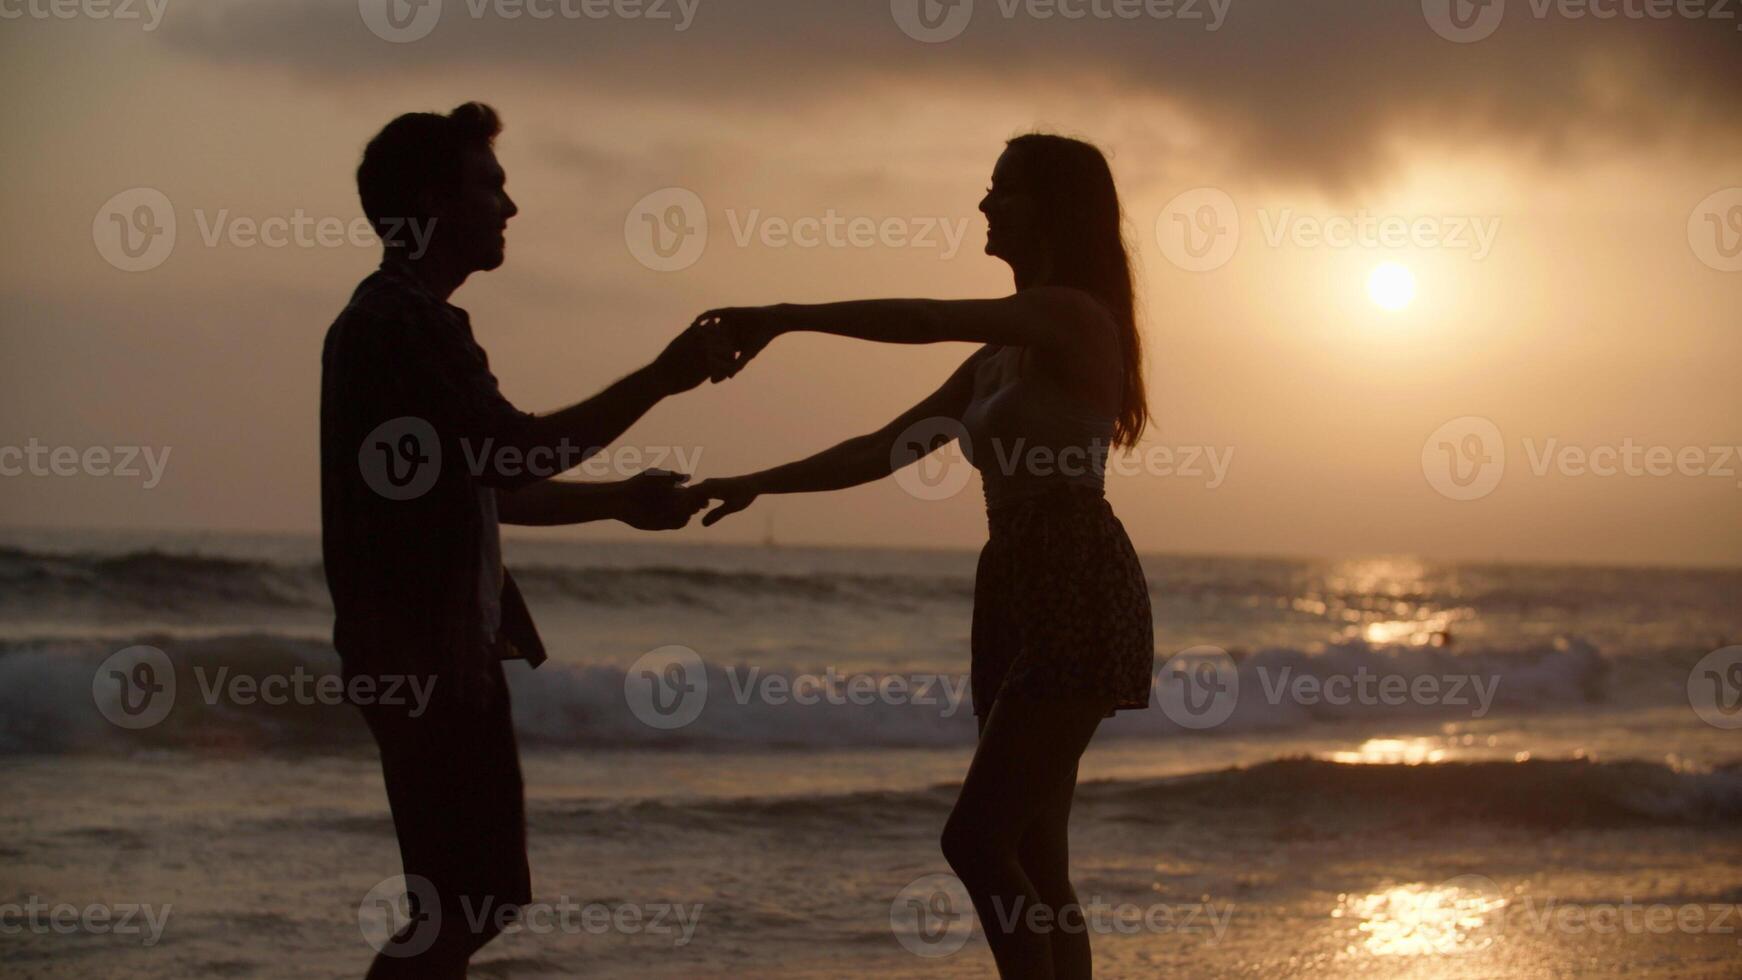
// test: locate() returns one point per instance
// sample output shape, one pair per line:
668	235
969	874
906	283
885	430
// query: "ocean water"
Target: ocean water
1392	768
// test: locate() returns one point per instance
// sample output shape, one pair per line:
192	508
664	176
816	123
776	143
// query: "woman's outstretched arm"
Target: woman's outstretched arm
857	461
1046	317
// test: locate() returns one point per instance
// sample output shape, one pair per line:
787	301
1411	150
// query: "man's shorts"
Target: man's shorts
453	782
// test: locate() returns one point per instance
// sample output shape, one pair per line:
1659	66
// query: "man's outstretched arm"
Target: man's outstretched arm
542	446
652	501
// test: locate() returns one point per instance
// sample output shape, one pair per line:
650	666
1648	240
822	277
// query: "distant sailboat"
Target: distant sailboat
768	534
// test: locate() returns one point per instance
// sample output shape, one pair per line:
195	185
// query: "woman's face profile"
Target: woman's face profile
1009	210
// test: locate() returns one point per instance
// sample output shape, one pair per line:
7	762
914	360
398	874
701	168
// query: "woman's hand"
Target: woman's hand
746	329
734	493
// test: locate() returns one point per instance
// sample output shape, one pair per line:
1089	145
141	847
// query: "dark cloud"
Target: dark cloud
1316	89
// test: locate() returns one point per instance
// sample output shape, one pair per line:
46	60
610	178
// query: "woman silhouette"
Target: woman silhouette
1061	632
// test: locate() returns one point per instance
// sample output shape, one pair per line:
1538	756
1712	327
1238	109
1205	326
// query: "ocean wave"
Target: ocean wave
1546	794
1295	795
158	580
1332	797
721	590
188	583
53	694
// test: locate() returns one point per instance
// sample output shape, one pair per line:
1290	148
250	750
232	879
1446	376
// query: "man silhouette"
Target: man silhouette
421	459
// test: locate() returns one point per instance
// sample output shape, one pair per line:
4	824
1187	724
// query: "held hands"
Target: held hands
657	500
696	355
745	329
717	345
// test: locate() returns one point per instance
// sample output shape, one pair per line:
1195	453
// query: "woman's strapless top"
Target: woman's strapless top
1028	437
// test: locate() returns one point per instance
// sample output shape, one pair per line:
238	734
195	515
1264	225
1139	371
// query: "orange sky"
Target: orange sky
1559	187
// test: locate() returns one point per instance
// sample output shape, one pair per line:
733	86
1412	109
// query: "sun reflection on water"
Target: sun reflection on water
1421	919
1392	752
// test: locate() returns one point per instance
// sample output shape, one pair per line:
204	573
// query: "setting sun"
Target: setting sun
1392	286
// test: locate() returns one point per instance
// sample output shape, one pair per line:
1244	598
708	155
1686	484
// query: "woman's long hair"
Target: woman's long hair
1082	224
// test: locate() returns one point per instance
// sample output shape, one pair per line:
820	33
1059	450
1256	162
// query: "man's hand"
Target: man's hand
734	494
657	500
744	331
698	354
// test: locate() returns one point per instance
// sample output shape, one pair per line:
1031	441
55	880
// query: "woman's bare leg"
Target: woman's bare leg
1046	858
1024	768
